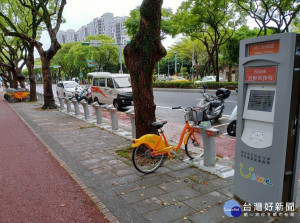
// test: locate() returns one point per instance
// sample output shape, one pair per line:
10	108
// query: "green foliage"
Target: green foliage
184	49
133	22
72	57
271	14
192	85
215	85
230	51
210	21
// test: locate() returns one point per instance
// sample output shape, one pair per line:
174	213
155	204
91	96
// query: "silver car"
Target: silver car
208	79
67	88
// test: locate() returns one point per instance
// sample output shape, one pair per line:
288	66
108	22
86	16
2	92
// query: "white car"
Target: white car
208	79
67	88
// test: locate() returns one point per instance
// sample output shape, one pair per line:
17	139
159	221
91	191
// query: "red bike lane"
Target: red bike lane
34	187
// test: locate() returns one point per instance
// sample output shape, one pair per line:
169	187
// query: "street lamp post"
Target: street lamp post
175	62
120	58
168	68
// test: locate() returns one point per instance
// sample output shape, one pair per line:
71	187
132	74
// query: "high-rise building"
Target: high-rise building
70	35
61	37
106	24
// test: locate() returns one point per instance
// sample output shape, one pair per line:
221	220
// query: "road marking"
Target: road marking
163	107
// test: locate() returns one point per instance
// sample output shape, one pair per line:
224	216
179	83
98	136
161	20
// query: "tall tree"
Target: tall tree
26	22
50	14
230	50
186	48
211	21
271	14
141	56
13	52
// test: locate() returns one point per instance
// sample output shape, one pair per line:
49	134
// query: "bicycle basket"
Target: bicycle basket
197	115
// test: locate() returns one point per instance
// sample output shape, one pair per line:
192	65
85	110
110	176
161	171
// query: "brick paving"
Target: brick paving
177	192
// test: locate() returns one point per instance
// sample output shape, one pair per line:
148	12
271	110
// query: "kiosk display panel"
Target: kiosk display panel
261	100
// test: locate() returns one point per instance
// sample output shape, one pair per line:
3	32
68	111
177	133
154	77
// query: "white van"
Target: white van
108	88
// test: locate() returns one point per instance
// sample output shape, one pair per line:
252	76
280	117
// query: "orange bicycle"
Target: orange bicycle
150	150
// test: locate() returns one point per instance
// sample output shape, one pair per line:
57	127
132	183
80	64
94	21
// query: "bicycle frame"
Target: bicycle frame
160	145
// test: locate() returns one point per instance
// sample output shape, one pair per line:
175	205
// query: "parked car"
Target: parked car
208	79
67	88
108	88
176	78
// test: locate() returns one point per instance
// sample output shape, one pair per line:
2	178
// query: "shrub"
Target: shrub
191	85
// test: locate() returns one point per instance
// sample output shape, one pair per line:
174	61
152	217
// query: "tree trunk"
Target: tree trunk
14	82
141	56
21	78
47	83
217	64
30	66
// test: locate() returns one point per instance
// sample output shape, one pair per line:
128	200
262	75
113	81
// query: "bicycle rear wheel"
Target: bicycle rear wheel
144	162
192	148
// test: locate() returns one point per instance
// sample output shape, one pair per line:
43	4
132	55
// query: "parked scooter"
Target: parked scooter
231	128
213	106
85	94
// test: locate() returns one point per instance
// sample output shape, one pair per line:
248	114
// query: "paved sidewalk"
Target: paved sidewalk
177	192
34	187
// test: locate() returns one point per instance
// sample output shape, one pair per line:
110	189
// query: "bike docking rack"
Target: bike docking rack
40	97
76	107
61	103
87	116
68	103
111	124
131	115
97	109
207	161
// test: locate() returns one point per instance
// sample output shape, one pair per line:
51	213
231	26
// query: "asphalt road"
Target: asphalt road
166	100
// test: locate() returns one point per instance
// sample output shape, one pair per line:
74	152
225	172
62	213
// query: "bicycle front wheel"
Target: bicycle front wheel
192	148
144	162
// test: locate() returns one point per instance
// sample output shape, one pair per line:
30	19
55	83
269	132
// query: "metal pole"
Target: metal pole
182	66
175	62
168	68
120	58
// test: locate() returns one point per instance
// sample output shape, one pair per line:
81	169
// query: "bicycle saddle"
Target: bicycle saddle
158	125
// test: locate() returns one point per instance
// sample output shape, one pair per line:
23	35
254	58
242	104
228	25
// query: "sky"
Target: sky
78	13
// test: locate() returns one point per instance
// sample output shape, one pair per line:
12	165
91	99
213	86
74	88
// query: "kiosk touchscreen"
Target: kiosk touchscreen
267	139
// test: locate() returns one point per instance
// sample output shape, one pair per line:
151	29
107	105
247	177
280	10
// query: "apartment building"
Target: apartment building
106	24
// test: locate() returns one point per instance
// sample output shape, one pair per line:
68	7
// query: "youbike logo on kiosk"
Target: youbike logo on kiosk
232	208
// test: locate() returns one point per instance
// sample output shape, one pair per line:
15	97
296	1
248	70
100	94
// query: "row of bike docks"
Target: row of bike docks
72	107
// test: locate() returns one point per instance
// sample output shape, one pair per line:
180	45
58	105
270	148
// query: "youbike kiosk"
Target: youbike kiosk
267	138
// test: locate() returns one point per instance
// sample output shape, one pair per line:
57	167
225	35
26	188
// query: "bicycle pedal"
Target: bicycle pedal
180	157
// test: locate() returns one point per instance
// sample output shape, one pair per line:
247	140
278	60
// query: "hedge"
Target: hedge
191	85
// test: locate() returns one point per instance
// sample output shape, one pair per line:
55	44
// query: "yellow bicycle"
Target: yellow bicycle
150	150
